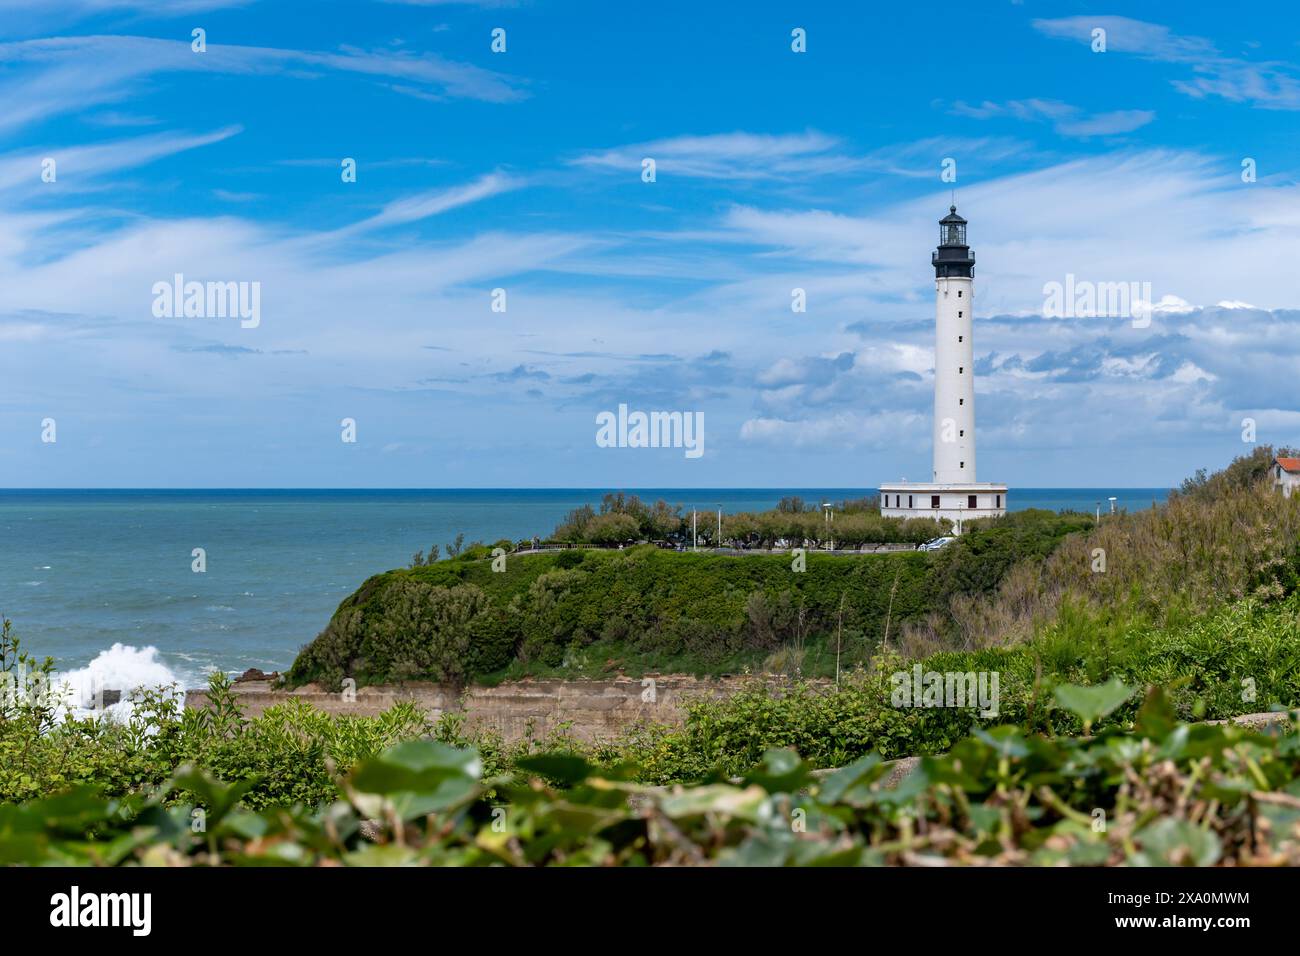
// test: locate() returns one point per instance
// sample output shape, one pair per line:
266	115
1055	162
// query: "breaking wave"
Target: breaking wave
121	668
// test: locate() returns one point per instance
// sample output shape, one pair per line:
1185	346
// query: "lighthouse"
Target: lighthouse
952	492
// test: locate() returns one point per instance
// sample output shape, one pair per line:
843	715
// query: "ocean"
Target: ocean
83	571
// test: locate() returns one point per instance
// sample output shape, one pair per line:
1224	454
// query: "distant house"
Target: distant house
1286	474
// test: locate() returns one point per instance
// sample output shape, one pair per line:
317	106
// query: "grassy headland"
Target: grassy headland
587	612
592	612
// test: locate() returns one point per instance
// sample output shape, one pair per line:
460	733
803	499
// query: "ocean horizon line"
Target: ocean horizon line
565	488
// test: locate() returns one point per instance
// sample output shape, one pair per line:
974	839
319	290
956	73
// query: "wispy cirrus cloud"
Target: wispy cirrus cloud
1267	84
791	156
1066	119
921	159
729	156
71	74
79	165
434	202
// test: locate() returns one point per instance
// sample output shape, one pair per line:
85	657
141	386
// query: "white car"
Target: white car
937	543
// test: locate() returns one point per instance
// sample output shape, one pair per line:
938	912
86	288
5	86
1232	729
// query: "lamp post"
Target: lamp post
1113	499
718	543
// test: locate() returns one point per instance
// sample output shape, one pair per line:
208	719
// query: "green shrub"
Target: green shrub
1170	795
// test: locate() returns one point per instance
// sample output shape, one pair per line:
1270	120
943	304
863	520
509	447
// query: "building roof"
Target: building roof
1289	464
930	486
952	216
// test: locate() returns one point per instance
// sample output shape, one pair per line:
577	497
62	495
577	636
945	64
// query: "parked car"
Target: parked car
937	543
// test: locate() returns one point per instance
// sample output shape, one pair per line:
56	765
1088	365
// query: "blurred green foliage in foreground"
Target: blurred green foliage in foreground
1164	793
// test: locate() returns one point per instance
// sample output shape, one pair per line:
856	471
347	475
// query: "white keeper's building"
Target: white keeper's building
1286	475
952	492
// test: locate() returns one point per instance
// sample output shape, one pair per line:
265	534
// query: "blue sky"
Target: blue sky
521	171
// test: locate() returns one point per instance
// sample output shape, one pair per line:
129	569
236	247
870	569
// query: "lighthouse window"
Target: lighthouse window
962	433
960	337
970	501
959	313
960	369
961	401
963	464
959	293
934	501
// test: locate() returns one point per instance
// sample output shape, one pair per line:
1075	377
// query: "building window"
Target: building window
961	401
962	433
909	501
934	501
960	337
963	464
970	501
999	501
959	313
897	499
959	293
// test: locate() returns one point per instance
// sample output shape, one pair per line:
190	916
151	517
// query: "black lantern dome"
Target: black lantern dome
953	258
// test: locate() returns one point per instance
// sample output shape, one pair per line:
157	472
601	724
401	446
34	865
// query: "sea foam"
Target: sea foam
121	668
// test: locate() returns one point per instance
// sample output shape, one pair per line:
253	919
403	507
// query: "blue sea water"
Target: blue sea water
81	570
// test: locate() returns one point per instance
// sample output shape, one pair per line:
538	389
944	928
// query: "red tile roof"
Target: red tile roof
1289	464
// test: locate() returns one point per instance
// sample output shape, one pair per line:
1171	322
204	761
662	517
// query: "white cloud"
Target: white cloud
1066	119
728	156
1146	216
74	73
77	166
432	203
1268	85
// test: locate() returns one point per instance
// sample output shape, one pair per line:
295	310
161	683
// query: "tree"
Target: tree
573	529
426	632
418	560
610	529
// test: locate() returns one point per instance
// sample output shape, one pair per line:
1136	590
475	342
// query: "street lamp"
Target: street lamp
1113	499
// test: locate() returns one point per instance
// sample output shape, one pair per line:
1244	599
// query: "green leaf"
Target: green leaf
1173	842
1090	704
565	769
747	804
1157	716
417	766
781	772
855	779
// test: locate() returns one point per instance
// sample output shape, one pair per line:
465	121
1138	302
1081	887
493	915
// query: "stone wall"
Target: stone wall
594	709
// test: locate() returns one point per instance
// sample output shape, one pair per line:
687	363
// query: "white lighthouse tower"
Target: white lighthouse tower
952	492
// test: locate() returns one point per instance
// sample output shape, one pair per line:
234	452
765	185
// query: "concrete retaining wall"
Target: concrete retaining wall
593	709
